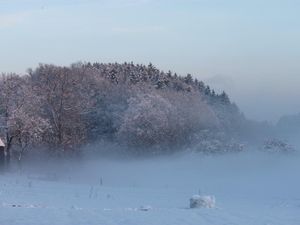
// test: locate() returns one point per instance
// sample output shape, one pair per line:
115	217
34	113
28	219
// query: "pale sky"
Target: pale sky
250	48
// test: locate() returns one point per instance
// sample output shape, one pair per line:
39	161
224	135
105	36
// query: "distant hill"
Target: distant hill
289	124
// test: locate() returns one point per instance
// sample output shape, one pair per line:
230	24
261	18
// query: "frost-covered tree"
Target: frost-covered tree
147	120
62	103
164	119
21	121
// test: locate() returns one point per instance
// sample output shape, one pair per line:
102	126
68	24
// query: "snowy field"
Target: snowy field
250	189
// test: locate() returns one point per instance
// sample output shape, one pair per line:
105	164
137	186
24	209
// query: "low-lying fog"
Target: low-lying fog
235	172
250	188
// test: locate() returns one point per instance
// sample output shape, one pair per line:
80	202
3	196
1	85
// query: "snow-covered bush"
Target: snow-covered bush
202	201
210	142
276	145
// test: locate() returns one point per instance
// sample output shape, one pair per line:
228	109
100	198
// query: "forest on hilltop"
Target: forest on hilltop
137	106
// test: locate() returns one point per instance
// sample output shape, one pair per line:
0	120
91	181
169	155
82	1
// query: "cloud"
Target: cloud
136	30
11	20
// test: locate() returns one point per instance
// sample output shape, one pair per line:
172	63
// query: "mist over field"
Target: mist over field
249	188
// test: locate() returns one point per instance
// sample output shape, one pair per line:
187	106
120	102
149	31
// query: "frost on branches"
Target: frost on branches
65	108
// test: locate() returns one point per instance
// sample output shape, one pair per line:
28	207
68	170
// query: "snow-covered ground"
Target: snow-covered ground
250	189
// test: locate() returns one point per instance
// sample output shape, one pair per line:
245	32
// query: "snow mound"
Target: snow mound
202	201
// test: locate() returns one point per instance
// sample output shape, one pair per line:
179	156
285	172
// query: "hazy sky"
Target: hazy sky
249	48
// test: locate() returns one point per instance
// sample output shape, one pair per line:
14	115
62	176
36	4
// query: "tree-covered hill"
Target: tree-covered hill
137	106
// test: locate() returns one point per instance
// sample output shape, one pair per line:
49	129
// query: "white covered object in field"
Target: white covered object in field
202	201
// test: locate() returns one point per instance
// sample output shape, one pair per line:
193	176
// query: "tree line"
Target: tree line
137	106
